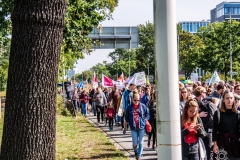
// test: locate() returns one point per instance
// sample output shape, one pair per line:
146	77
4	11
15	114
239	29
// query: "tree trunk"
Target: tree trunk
30	113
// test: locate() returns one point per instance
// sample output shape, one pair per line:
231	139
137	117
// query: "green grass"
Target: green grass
77	139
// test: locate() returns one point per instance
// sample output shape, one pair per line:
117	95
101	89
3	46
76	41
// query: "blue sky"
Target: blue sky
135	12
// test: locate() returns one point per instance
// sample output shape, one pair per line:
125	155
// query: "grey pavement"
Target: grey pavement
123	141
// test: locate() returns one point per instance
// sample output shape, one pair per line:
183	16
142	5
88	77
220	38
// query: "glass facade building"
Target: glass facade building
193	26
223	11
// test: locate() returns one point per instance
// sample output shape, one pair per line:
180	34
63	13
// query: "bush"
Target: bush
60	107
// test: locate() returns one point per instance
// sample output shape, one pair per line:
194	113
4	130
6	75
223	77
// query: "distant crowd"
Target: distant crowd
209	115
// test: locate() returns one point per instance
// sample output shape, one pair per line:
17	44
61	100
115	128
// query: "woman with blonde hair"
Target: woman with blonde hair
226	129
192	132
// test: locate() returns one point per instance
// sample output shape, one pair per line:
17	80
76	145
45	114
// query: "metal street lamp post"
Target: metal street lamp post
230	47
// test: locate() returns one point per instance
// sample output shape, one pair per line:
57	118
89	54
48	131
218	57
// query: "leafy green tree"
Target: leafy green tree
120	64
4	59
81	17
145	51
190	49
216	55
29	130
99	69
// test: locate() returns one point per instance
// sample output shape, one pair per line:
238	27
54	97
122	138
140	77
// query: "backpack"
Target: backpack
238	112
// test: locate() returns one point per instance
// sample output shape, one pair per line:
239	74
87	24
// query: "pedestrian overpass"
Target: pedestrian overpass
115	37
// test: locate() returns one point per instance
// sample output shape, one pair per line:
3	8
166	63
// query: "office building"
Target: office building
193	26
224	10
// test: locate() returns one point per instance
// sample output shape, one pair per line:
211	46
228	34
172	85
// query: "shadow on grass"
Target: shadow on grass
101	156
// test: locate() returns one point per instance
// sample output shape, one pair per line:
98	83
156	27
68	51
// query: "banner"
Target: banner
106	81
137	79
95	82
140	78
194	77
214	78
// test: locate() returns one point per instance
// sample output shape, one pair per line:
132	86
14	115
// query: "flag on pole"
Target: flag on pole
214	78
121	78
80	85
95	82
106	81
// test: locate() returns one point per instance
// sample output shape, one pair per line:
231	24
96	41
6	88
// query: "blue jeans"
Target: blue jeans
84	109
79	106
138	139
94	108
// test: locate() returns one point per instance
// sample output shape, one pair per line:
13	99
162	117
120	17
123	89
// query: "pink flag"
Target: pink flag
95	82
106	81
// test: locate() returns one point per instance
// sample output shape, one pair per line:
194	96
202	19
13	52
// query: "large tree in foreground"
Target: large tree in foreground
30	122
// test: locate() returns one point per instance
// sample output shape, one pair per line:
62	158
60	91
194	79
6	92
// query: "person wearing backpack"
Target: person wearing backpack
226	129
206	111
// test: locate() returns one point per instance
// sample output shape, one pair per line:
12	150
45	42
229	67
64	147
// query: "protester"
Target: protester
237	101
101	101
206	111
84	101
110	112
152	121
94	109
126	101
113	98
209	92
237	89
146	97
136	115
184	96
192	130
226	128
74	98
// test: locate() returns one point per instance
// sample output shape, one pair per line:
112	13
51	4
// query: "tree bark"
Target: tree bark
30	113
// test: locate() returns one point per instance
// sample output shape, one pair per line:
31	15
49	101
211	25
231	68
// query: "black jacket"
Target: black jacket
210	108
201	133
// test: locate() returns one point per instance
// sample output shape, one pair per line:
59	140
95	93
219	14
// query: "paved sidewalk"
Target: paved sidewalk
124	142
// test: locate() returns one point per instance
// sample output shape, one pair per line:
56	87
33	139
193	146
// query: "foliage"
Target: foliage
81	17
216	37
4	59
120	64
190	49
145	51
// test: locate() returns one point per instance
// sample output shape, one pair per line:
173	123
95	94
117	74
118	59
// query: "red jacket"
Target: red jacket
110	112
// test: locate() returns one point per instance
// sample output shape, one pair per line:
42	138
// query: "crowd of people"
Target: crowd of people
127	108
208	113
210	120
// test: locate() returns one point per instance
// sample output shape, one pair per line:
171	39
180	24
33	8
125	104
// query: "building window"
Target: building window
230	10
190	27
235	11
226	11
238	10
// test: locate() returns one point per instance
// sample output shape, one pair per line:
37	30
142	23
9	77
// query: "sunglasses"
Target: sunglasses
136	100
227	91
184	92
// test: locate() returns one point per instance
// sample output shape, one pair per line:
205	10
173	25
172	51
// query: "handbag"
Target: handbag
148	126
